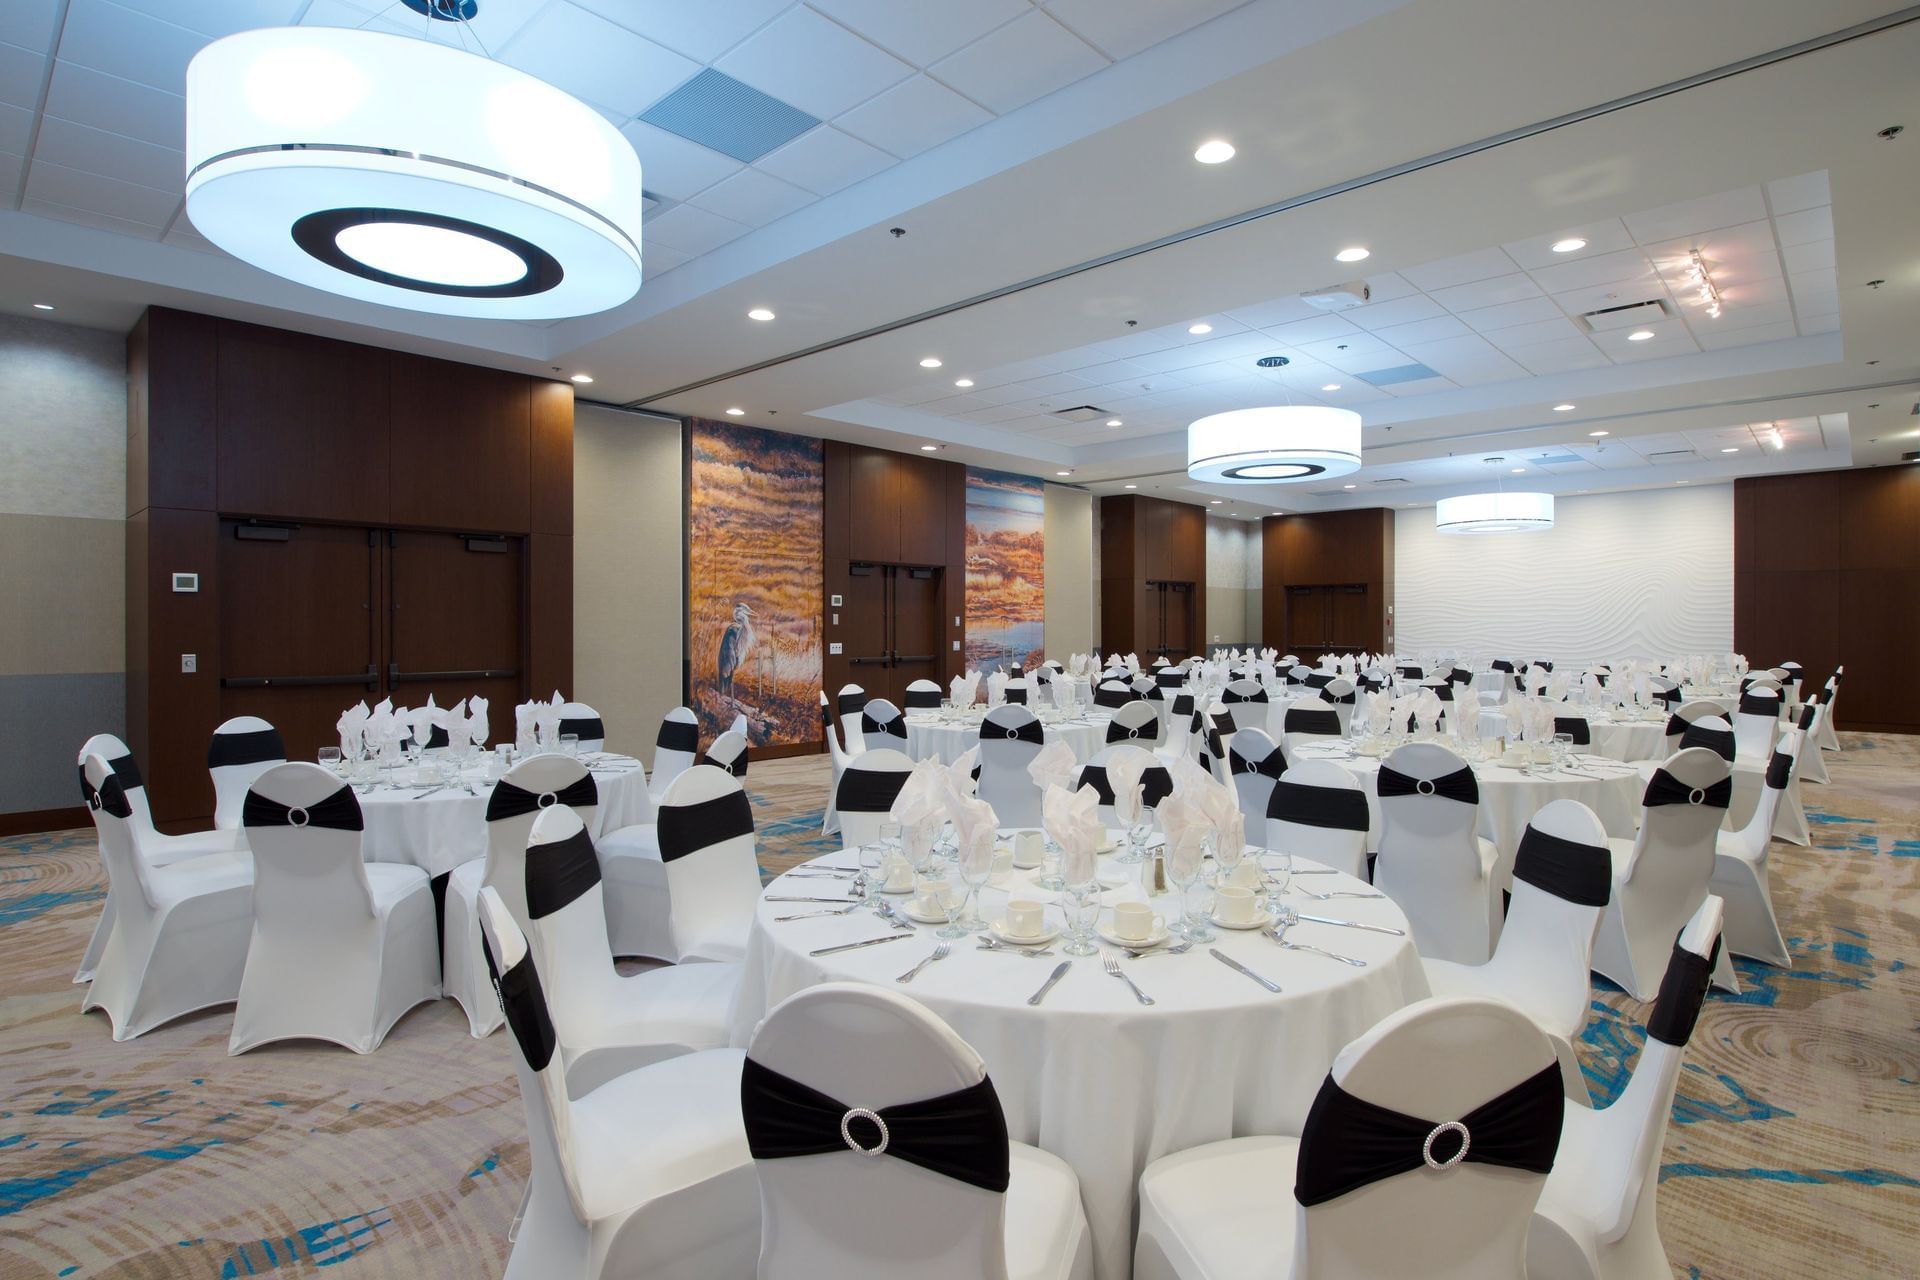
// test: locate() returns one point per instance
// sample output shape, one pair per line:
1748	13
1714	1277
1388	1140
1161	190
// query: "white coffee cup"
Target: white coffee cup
1135	921
1002	866
1027	848
899	874
1233	904
932	896
1246	875
1025	918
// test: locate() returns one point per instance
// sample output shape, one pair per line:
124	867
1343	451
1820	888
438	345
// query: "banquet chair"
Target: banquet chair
534	783
1579	728
882	1152
608	1023
1562	878
866	793
1596	1217
1829	739
1712	732
924	695
1307	719
1340	691
647	1175
1424	1154
1246	701
340	948
848	704
882	725
1811	766
1156	780
1319	810
1740	865
1255	762
1210	741
179	937
1170	677
1756	719
1792	675
1016	691
705	839
830	820
1137	722
1660	876
729	752
158	849
584	723
1679	720
1010	737
1431	862
1112	694
673	750
1176	739
241	750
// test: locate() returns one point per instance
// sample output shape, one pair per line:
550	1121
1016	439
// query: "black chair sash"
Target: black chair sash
1105	697
1372	684
1752	704
1325	722
960	1135
894	728
1154	694
1460	675
1501	664
1677	726
511	801
1271	765
1668	696
256	747
1719	741
1459	785
689	828
852	703
123	769
1576	727
1444	692
340	811
1663	788
437	734
1349	1143
1117	732
1411	673
735	764
560	872
826	713
1779	770
923	699
992	731
1156	784
1208	733
1806	716
585	728
1329	808
1677	1008
1172	679
112	798
1016	696
680	735
869	790
1578	873
1545	666
525	1005
1230	695
1182	706
1319	679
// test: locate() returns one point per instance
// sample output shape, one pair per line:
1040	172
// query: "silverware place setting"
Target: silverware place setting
1278	934
1111	963
855	946
1340	893
1147	953
940	952
989	943
1353	924
1059	972
814	915
1237	967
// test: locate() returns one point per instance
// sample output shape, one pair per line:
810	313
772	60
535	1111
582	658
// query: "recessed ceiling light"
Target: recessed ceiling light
1572	244
1331	386
1519	471
1131	486
1276	513
931	362
1202	327
1731	449
1214	151
1564	407
760	313
1640	335
1596	434
734	413
1063	473
1113	422
963	382
1352	254
1349	486
1216	502
929	448
583	378
1680	482
43	306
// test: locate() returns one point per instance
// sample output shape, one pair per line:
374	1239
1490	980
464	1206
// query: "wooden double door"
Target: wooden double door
1328	619
891	621
314	618
1171	620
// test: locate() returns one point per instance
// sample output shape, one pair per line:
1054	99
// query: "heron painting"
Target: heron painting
736	642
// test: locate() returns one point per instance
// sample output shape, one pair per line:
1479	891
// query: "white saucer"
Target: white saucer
1154	939
1112	878
897	893
911	910
1260	920
1047	934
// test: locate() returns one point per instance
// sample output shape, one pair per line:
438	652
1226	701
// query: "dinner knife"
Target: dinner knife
774	897
868	942
1354	924
1059	972
1231	963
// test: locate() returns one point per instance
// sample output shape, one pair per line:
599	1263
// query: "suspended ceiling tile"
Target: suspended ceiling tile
702	31
812	62
921	31
1027	59
913	116
823	160
591	58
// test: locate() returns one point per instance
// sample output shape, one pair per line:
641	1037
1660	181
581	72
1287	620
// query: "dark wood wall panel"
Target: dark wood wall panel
460	451
1329	551
180	709
1143	541
550	615
172	372
552	467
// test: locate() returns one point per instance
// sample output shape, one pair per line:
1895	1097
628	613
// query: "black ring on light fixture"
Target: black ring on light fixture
316	233
1305	470
445	10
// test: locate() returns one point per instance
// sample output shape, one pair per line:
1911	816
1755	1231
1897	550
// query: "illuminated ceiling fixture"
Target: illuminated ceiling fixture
583	378
1276	443
1698	278
735	413
1216	151
760	313
931	362
1572	244
1355	254
1198	329
1496	512
410	173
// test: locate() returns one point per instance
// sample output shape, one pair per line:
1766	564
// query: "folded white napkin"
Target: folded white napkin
1379	712
1515	711
960	773
1427	708
1124	770
524	726
1465	721
353	729
1072	819
1184	820
965	688
1558	684
477	722
1053	766
458	730
1133	663
922	802
996	688
421	722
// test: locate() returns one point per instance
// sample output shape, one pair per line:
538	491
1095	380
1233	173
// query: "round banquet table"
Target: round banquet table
1617	738
1509	797
439	831
1104	1083
931	738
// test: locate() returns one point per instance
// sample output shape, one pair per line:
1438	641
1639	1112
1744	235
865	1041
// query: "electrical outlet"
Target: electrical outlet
833	650
189	663
956	646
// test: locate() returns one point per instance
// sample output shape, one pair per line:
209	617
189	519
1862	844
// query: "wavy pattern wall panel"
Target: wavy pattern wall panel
1639	575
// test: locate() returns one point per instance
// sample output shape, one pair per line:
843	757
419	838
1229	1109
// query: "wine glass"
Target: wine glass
330	759
1278	867
873	859
1084	899
975	879
1050	877
1562	748
1194	924
1227	857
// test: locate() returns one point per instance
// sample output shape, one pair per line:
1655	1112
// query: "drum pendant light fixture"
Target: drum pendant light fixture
410	173
1494	513
1276	444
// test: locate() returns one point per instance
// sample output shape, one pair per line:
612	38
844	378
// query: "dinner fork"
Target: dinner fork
1340	893
1278	933
808	915
1112	965
940	952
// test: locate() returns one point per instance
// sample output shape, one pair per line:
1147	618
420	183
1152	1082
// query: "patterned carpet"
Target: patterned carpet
1795	1152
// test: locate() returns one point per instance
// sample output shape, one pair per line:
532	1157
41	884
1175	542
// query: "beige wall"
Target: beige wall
1233	581
627	607
1071	608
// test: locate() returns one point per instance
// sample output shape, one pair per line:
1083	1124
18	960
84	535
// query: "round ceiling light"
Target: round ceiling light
1572	244
1274	444
410	174
1494	513
1214	151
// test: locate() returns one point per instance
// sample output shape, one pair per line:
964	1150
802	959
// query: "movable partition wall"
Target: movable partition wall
1153	577
1327	582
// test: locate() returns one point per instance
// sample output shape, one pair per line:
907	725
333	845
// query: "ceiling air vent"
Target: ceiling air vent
1628	315
1080	413
1391	480
1558	460
1399	373
722	114
1666	456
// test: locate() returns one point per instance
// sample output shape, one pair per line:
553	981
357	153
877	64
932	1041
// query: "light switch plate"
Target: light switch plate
834	650
187	582
189	663
956	646
836	619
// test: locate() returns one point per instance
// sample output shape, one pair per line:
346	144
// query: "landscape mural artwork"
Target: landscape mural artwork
1006	570
753	581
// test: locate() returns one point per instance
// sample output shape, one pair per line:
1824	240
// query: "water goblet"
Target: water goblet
1084	909
569	744
1278	866
1562	748
330	759
1050	877
873	861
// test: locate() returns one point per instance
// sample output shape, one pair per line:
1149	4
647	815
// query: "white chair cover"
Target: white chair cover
844	1214
340	948
1138	722
1431	861
830	821
1309	720
1829	738
848	704
882	725
1010	737
728	752
673	750
241	750
1156	783
585	724
1740	865
1255	763
1811	766
867	790
1755	721
648	1175
179	936
1319	810
927	695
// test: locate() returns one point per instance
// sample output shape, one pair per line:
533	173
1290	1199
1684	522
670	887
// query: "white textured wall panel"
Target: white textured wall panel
1636	575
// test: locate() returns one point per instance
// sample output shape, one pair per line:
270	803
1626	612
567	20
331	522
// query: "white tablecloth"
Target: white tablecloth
1102	1082
439	832
1616	739
931	738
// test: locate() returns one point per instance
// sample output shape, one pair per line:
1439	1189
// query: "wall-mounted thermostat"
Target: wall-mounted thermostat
186	582
835	602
